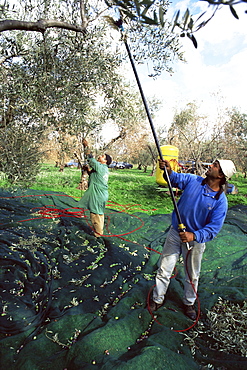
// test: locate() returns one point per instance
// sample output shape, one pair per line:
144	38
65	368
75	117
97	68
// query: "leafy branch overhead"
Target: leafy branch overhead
142	12
153	13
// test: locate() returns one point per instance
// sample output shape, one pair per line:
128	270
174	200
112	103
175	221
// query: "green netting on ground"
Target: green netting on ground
73	301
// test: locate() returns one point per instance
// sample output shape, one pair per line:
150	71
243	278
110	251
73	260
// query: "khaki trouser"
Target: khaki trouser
98	224
173	247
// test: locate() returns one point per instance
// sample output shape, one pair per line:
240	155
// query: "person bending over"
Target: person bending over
202	207
96	196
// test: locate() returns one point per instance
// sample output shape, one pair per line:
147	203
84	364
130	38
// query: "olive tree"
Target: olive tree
235	138
196	139
61	51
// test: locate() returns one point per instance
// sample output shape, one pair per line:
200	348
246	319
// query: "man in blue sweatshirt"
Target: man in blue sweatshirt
202	207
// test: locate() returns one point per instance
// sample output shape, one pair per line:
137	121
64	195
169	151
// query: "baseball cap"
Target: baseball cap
227	167
108	159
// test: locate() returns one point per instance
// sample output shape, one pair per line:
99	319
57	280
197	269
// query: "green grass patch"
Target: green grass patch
130	188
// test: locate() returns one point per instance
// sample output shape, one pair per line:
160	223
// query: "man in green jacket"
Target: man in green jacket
96	196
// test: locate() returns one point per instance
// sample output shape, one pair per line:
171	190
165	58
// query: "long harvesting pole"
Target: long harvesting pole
180	223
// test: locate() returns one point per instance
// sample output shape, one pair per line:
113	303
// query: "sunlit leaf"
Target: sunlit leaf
147	2
201	15
186	17
194	41
146	10
149	20
137	6
190	36
176	20
234	13
155	17
191	23
122	4
161	15
130	15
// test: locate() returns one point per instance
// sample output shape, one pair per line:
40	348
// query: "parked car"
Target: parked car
113	164
127	165
120	165
72	163
123	165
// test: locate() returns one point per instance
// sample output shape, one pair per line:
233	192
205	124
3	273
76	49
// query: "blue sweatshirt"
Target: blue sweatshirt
201	213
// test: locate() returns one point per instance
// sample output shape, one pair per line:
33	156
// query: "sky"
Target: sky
215	73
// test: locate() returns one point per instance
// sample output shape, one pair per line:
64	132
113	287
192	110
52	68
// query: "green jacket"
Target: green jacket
96	196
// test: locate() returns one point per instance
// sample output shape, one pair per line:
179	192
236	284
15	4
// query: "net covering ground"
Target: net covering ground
73	301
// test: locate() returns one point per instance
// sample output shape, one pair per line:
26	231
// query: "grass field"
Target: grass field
130	187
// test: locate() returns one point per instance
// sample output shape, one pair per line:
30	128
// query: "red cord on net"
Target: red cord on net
51	212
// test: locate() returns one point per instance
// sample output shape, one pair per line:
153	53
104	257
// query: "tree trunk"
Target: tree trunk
83	185
139	166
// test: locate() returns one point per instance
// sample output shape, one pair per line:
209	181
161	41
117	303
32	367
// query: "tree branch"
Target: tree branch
122	135
83	14
39	26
